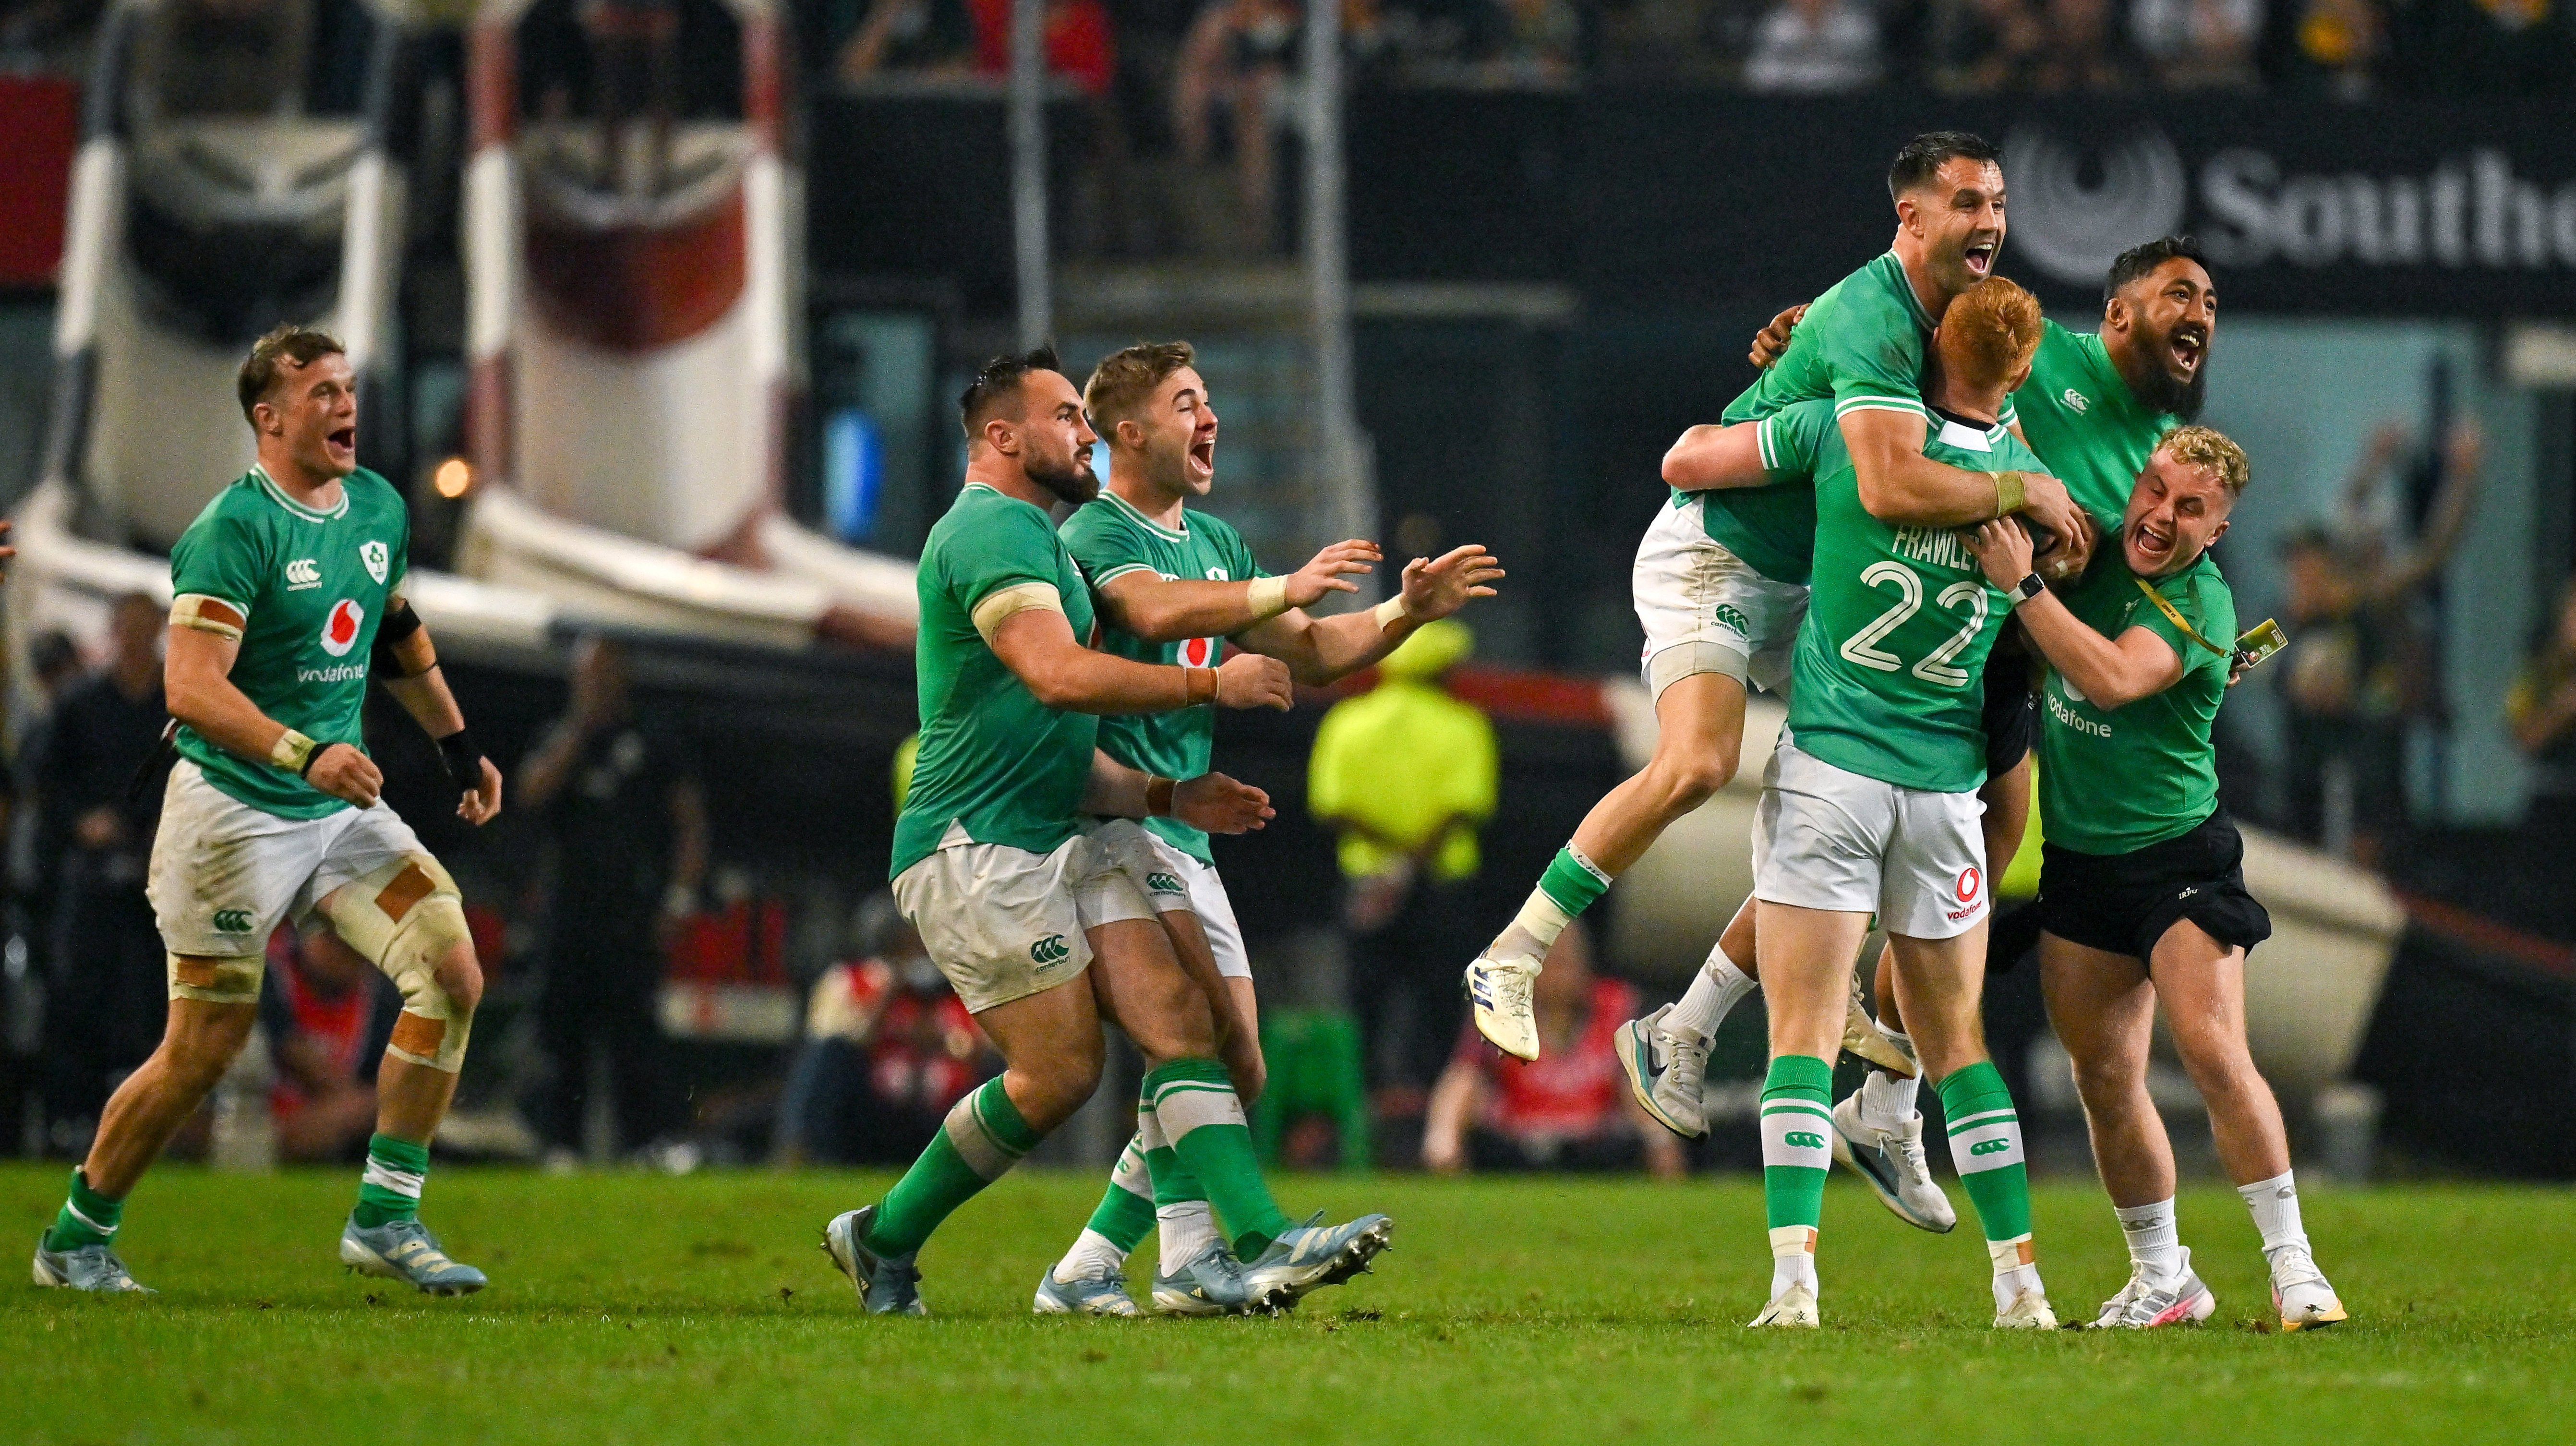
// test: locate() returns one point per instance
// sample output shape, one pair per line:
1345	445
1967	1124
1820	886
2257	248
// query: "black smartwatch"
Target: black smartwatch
2029	587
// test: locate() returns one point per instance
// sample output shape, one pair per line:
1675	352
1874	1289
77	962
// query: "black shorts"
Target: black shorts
2124	903
2011	711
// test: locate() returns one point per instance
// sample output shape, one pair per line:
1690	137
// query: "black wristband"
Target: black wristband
306	772
464	761
2031	586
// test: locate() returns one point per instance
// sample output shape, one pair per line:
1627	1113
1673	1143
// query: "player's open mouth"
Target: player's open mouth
2187	346
1981	257
1203	457
343	439
2149	541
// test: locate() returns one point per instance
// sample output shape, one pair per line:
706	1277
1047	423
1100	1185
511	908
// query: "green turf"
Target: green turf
636	1308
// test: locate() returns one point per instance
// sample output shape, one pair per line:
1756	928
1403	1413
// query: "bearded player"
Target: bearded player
2142	888
2092	410
1171	582
288	589
1043	929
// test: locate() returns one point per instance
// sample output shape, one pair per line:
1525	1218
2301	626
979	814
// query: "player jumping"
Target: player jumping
1042	930
1171	582
289	589
2142	889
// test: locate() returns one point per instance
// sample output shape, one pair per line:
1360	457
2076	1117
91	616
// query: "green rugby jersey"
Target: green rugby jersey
2115	781
1861	345
1109	538
1889	663
994	761
310	587
2090	431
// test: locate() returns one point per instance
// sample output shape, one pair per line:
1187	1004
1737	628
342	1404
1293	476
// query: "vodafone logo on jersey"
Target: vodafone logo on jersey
1199	653
340	629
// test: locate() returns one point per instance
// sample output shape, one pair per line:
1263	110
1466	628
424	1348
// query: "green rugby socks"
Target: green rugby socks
982	1138
1118	1225
1568	887
87	1217
1193	1105
390	1188
1985	1148
1797	1150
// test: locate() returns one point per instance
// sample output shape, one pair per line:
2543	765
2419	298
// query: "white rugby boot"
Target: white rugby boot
1892	1162
2300	1293
2149	1302
1666	1070
1500	990
2028	1312
1791	1309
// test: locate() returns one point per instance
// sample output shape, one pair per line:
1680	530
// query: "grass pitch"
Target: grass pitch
637	1308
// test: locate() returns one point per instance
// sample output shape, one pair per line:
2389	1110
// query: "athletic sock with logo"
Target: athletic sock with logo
87	1217
1195	1107
1118	1226
2155	1237
1718	987
1797	1130
1569	886
982	1138
2275	1203
1985	1148
389	1190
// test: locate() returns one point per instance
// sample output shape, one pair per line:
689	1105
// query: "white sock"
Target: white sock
1887	1102
2015	1271
1718	987
1186	1229
1793	1259
2275	1203
2155	1239
1093	1255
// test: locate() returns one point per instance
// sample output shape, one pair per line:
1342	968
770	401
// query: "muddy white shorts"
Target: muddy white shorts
1173	880
1705	610
1828	838
225	874
1004	923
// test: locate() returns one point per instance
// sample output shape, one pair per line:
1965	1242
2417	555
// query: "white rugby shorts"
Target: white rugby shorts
1004	923
1171	879
225	874
1828	838
1705	610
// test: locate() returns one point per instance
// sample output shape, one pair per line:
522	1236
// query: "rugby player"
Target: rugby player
2092	410
1014	901
1171	583
289	588
2142	889
1721	584
1869	803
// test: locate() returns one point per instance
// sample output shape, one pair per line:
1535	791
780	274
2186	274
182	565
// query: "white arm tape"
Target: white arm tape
1267	598
1390	612
999	605
207	615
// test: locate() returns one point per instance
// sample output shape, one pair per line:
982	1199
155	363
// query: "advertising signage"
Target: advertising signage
1652	198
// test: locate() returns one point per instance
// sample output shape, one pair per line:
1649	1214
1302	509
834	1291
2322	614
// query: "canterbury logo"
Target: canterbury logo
1733	617
1051	950
2077	400
302	573
1162	883
1804	1139
1990	1147
232	921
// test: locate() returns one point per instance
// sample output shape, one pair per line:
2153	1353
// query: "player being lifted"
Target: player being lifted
288	590
1043	930
2094	407
1171	583
1869	803
2142	887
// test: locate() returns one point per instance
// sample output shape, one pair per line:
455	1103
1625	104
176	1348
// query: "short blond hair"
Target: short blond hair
2211	451
1126	379
1989	331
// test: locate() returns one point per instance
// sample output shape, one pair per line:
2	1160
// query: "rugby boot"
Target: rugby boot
1665	1071
405	1250
887	1284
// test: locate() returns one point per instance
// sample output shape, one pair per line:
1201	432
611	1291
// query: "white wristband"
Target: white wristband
1267	597
290	751
1390	612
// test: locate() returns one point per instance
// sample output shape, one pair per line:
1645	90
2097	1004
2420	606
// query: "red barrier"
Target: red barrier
40	115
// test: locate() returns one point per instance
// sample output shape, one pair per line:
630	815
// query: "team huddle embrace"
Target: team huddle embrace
1955	537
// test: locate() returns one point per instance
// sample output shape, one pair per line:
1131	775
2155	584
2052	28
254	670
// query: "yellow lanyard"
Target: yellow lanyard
2174	616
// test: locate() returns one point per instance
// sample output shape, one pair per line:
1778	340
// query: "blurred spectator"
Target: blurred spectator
630	826
2484	47
888	1048
1079	44
1569	1109
1814	47
1227	96
2334	49
934	37
2199	44
2361	662
1979	47
1402	775
2082	50
108	991
2540	708
327	1014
